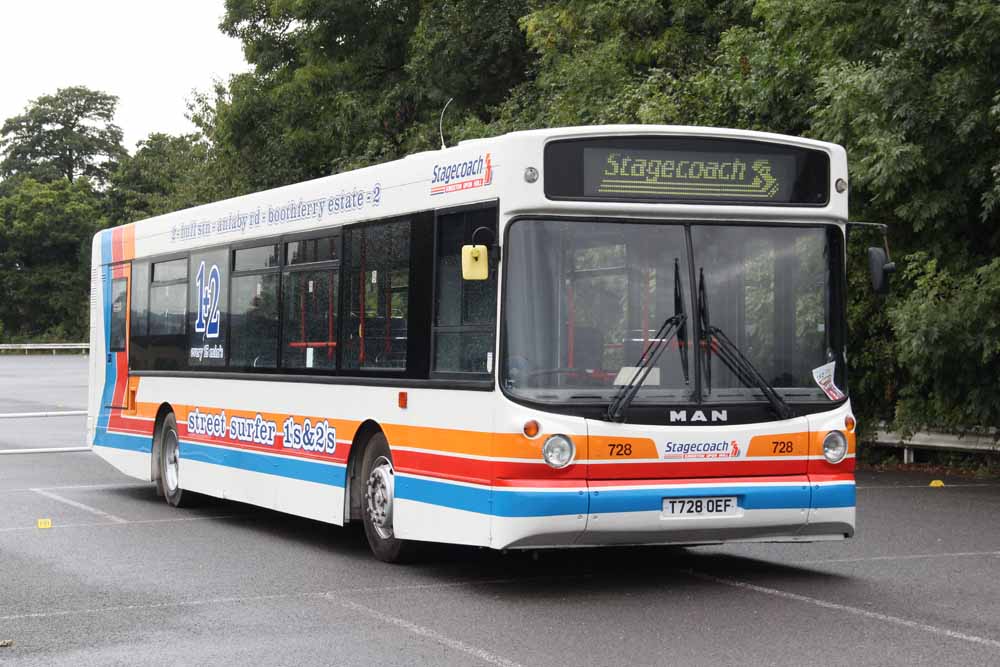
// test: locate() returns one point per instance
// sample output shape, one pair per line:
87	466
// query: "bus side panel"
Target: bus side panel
115	437
477	486
442	447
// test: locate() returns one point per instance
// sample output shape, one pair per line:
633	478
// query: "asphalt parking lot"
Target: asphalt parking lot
121	578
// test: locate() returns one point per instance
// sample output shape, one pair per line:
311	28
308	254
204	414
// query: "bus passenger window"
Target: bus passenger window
309	297
378	282
253	308
166	298
119	313
465	310
253	321
310	322
139	303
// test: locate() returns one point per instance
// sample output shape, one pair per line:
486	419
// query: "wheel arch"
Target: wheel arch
353	492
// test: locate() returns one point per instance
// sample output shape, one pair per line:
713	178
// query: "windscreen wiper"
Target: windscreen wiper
681	331
672	326
715	339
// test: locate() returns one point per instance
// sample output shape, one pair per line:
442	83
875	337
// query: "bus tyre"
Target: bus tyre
378	486
168	449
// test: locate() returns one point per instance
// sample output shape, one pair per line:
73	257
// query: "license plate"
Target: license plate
714	506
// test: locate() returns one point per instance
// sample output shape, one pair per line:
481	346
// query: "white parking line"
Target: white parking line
454	644
82	487
886	618
102	524
86	508
957	554
332	596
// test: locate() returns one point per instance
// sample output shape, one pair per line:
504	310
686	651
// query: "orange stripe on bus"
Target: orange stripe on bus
781	444
603	447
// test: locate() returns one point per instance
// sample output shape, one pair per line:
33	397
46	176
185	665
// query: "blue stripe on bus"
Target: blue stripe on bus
509	503
834	495
484	500
133	443
748	497
110	367
282	466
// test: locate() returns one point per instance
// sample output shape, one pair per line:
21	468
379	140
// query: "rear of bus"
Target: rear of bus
673	342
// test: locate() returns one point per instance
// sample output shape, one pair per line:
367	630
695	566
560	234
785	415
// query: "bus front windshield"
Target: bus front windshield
585	299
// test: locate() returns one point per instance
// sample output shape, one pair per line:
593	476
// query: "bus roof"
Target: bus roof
474	170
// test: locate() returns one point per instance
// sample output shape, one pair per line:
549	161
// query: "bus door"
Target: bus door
117	278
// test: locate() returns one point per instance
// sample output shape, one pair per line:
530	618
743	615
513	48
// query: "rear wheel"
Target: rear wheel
378	478
168	449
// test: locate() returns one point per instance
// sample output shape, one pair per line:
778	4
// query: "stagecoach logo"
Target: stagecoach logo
698	416
721	449
459	176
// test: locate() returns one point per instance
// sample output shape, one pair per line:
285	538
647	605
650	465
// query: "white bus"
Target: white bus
564	337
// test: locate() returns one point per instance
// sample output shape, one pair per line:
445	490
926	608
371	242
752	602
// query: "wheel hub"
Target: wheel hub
379	496
171	471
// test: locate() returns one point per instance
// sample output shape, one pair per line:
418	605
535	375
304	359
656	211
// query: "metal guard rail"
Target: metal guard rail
43	347
970	442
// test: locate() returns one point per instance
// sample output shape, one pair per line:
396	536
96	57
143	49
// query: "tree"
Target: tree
167	173
45	241
65	135
912	90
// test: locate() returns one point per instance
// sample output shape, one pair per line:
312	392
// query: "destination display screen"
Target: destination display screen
686	170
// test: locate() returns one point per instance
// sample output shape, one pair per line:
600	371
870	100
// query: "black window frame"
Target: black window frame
144	355
124	321
417	318
494	259
138	329
417	372
170	283
283	268
233	248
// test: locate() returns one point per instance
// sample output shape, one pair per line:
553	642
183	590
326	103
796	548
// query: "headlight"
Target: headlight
558	451
835	447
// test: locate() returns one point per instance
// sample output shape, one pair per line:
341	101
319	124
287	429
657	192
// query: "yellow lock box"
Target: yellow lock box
475	262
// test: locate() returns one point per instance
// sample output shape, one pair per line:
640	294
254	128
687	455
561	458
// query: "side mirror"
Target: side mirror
475	262
880	270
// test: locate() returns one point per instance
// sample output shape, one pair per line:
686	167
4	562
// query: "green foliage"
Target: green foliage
948	339
45	238
65	135
602	61
167	173
328	91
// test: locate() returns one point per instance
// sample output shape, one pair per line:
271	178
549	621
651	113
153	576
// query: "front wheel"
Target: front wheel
379	481
169	450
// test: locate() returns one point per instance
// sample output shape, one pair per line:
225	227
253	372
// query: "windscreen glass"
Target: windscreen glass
585	299
766	289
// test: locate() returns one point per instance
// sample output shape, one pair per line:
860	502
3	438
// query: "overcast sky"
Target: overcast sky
150	53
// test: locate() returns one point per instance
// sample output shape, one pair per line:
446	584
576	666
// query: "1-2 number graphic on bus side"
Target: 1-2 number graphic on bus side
208	301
